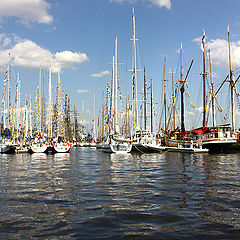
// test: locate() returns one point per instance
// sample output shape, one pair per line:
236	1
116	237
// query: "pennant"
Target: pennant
203	40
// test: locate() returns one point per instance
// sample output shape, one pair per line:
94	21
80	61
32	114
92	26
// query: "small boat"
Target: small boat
6	146
39	146
120	146
62	147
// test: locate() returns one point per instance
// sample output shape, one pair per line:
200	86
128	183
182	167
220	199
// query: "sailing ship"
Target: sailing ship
61	145
220	138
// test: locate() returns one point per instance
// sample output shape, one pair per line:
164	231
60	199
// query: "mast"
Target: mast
30	114
165	98
134	90
58	106
9	93
173	102
113	95
4	103
94	118
18	104
204	82
231	80
116	87
50	103
26	119
213	94
102	115
39	100
182	94
43	110
145	100
151	111
128	109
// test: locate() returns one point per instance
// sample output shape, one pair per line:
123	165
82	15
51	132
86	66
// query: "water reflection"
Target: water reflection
87	194
39	156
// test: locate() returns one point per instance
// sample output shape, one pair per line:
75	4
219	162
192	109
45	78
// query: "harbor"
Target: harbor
89	194
119	119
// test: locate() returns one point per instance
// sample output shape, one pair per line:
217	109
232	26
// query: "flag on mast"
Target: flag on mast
203	40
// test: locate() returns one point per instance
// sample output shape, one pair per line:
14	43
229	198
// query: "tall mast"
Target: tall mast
113	95
145	100
204	82
94	118
173	102
26	119
151	108
102	115
30	114
231	79
50	103
134	90
18	103
182	94
116	86
9	94
43	123
165	98
213	94
39	100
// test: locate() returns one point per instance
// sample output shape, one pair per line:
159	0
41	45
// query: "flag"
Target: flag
203	40
227	26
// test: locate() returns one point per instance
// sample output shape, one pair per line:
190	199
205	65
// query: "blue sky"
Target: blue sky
78	37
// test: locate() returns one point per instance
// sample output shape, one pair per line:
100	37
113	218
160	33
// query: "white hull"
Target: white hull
38	148
61	148
120	147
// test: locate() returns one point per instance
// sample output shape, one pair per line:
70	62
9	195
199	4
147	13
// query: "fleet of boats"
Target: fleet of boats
54	130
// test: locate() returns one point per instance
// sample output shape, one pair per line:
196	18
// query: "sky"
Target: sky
76	37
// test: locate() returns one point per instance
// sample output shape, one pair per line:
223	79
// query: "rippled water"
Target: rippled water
87	194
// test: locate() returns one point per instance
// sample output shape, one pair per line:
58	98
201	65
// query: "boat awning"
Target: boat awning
198	131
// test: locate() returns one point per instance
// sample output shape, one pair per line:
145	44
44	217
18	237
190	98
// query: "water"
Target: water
88	194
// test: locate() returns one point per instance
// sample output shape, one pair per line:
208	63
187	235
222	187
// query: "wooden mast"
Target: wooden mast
182	94
204	82
213	94
165	98
231	79
173	102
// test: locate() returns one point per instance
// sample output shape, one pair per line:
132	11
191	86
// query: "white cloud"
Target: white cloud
101	74
68	56
80	91
28	55
26	10
219	52
162	3
67	59
159	3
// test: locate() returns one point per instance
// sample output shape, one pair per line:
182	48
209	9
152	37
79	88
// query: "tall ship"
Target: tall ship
216	138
